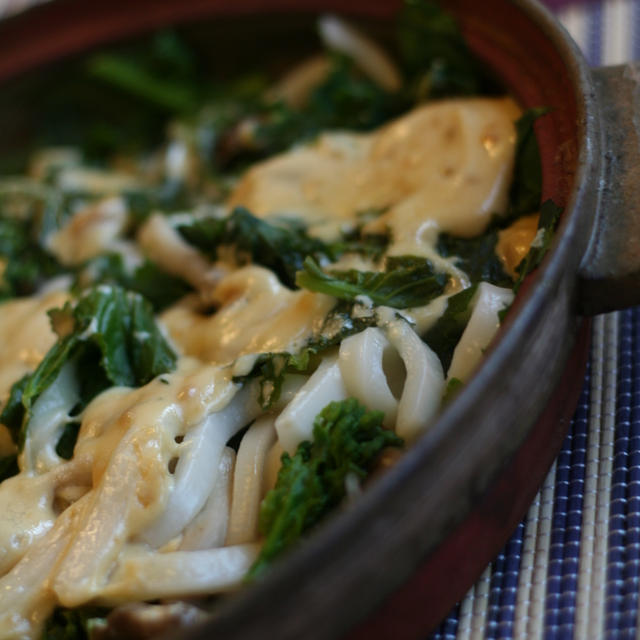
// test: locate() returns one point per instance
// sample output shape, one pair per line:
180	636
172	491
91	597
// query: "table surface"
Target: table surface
572	567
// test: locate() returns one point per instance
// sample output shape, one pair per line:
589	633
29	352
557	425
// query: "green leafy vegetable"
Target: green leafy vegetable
281	246
165	78
13	412
121	98
112	338
549	216
446	332
67	440
73	624
346	440
160	288
250	127
29	212
476	257
407	281
347	99
173	96
27	266
502	314
156	285
170	196
270	369
436	58
45	207
526	187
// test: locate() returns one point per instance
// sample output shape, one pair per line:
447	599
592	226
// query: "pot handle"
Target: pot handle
609	276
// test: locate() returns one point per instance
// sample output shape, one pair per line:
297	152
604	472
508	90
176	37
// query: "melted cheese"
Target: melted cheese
127	438
25	519
184	398
89	232
444	166
25	336
131	491
257	314
27	599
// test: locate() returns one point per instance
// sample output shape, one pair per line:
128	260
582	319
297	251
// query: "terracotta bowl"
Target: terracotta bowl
392	564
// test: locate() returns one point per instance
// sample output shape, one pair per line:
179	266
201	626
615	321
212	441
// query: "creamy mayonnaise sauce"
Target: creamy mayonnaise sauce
444	166
127	440
90	231
25	336
257	314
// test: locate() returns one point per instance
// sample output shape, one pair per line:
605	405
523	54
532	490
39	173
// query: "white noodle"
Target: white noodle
164	245
200	452
272	465
345	38
209	528
50	414
27	599
295	87
103	529
424	382
147	576
362	364
295	423
27	519
482	326
248	481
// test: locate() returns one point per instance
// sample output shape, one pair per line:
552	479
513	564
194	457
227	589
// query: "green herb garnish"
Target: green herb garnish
346	440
